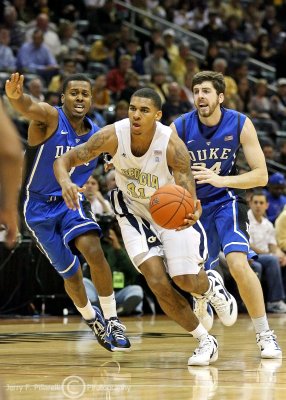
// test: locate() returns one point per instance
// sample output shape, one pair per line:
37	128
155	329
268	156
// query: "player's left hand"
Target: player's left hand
192	218
205	175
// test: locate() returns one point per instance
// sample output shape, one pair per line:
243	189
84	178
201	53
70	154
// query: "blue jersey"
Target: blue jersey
215	148
39	177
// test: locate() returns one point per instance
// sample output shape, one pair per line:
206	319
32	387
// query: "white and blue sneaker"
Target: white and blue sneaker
98	327
203	311
115	334
206	353
221	300
269	348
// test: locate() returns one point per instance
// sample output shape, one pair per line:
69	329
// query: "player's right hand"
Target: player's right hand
14	86
70	193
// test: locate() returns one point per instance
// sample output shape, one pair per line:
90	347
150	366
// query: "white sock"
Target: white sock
87	312
108	306
260	324
199	332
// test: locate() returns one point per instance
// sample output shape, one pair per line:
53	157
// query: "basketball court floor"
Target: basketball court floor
58	358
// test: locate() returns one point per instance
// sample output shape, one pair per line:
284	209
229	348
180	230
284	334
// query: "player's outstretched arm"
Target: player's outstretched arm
103	141
24	104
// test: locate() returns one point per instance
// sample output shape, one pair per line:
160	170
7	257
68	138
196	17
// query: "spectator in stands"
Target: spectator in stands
282	153
116	76
16	27
104	50
71	41
156	60
280	61
36	89
148	44
275	195
221	65
104	19
264	51
172	48
268	149
174	106
133	49
178	66
213	30
51	38
100	93
35	57
99	205
278	100
244	93
260	107
159	83
186	89
7	58
132	83
269	255
68	67
120	112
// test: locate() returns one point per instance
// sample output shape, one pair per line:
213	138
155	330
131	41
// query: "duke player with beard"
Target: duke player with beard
213	136
146	155
60	233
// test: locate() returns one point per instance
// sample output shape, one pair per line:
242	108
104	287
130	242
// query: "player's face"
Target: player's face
142	115
77	99
206	99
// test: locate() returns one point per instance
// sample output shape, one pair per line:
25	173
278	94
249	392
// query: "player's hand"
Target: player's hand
192	218
204	175
9	221
70	195
14	86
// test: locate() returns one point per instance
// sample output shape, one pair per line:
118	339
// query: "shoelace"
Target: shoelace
200	305
99	328
268	336
216	302
205	345
115	327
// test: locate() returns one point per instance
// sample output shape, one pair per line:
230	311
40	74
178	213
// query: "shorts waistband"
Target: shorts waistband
46	199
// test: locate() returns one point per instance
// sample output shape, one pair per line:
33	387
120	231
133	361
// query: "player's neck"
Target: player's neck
213	119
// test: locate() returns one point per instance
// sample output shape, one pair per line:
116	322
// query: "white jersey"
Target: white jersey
139	177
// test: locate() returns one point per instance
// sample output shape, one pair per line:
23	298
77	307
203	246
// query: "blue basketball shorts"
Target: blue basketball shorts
226	224
54	227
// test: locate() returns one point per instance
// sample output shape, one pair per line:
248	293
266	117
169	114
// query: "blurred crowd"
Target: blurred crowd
48	40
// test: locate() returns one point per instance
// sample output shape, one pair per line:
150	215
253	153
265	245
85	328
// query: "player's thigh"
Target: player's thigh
141	240
232	226
50	242
182	250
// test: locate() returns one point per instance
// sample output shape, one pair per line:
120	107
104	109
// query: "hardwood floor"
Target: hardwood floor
58	358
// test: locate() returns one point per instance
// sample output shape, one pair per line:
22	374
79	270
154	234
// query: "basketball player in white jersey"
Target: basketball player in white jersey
147	155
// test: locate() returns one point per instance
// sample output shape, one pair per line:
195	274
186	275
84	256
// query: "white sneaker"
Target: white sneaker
269	348
203	311
206	353
222	301
277	307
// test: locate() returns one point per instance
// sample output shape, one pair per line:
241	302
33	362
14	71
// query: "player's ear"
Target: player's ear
158	115
62	98
221	98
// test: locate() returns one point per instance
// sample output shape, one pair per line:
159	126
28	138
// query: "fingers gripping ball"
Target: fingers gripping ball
170	205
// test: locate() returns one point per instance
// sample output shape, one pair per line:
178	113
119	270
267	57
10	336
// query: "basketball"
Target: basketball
169	206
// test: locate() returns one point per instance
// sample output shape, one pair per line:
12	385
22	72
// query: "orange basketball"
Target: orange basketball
169	206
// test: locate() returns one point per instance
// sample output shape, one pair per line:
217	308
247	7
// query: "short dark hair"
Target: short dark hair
149	93
258	192
216	78
75	77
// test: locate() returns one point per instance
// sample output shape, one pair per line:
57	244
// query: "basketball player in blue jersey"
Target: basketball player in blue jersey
60	233
146	155
10	172
213	136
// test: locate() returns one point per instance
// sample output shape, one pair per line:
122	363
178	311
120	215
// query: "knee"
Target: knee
185	282
159	285
239	270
